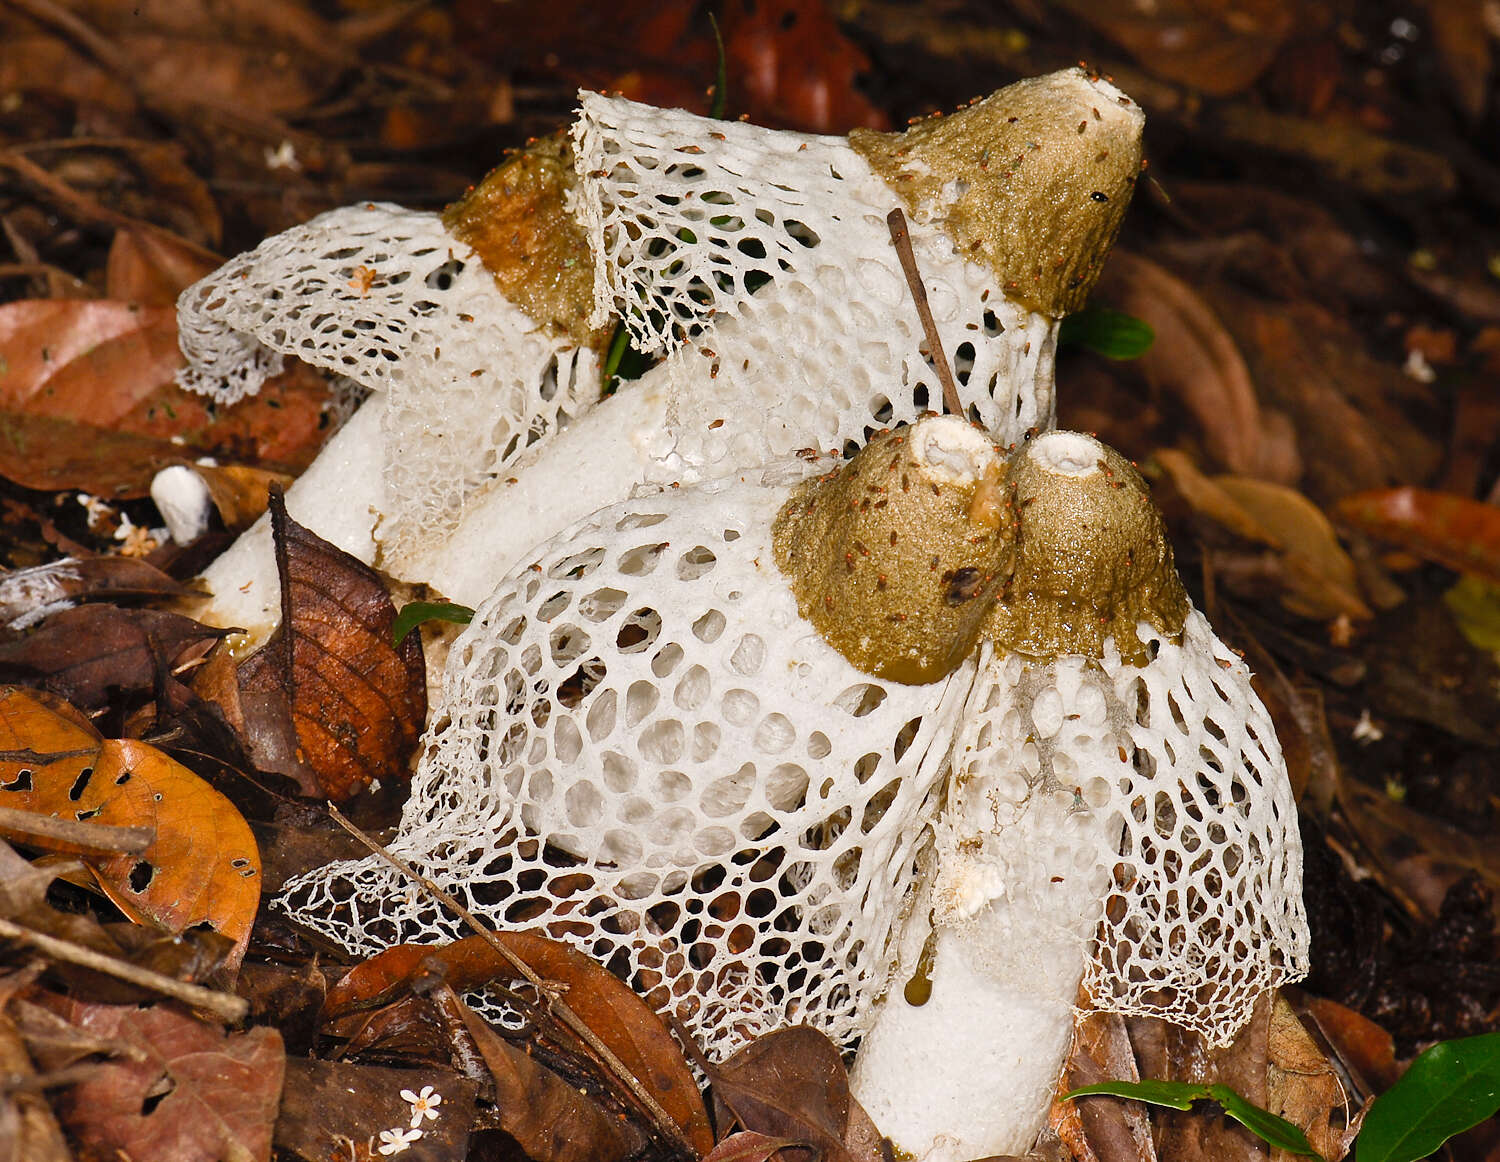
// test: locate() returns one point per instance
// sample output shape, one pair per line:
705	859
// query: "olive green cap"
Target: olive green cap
895	555
517	220
1035	179
1090	558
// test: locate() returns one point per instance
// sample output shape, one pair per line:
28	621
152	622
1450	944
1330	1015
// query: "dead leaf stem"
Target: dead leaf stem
901	240
662	1121
227	1006
96	837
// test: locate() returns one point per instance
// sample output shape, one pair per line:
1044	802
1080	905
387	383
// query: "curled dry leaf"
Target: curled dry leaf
552	1120
90	654
150	267
1303	1087
791	1084
194	1094
328	700
617	1016
747	1146
202	867
1453	531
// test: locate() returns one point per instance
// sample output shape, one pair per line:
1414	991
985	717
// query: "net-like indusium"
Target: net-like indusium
386	297
648	752
763	260
1147	805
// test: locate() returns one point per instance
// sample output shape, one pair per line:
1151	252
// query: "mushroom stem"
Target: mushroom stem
969	1039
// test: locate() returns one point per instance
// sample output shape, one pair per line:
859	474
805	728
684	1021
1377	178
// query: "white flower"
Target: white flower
423	1105
396	1141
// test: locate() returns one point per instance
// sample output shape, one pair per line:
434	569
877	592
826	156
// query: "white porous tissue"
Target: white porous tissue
648	752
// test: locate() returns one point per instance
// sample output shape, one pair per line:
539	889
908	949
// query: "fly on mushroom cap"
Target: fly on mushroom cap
1036	178
894	555
1091	557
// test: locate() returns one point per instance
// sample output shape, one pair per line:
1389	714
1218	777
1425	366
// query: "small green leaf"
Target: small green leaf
1475	605
1113	334
1181	1095
414	613
1262	1123
1451	1088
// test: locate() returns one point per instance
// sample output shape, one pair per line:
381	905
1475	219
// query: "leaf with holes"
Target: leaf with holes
329	701
617	1016
202	867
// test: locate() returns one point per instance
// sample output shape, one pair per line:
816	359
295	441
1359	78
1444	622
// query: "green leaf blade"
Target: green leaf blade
414	613
1112	334
1265	1125
1451	1088
1178	1095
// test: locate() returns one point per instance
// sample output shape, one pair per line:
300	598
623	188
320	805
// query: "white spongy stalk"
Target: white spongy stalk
767	253
1146	806
339	497
648	752
386	297
993	953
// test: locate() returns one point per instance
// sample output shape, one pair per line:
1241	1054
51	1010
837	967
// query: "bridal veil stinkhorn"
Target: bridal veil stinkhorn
650	751
755	262
1118	814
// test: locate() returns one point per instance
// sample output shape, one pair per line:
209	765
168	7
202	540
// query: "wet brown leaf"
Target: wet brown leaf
550	1119
202	867
616	1015
1453	531
87	401
239	493
94	653
329	701
151	267
327	1105
791	1084
26	595
1462	39
196	1094
1217	46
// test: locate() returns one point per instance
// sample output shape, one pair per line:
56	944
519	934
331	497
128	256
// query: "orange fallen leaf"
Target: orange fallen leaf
1453	531
202	867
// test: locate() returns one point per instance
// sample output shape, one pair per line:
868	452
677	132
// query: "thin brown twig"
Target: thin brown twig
662	1120
226	1005
901	240
102	838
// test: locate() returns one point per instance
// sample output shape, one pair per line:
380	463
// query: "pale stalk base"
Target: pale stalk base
971	1072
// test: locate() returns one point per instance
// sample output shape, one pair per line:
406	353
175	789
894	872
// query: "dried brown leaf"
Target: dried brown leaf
1215	46
1303	1087
26	594
331	1107
746	1146
151	267
552	1120
1453	531
88	401
196	1094
791	1084
92	654
1111	1130
329	701
615	1014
